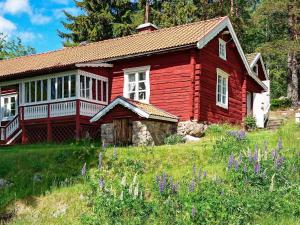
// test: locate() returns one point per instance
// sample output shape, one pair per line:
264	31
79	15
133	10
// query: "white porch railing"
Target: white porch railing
61	109
36	112
89	109
9	129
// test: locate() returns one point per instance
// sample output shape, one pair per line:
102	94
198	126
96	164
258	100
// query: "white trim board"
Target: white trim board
120	101
259	57
225	23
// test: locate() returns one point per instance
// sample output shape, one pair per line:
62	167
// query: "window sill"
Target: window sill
222	106
224	58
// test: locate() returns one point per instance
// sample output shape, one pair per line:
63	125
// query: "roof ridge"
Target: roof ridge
114	39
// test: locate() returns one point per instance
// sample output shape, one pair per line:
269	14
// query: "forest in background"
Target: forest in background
268	26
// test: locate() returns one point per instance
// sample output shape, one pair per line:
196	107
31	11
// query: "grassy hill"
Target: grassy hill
176	184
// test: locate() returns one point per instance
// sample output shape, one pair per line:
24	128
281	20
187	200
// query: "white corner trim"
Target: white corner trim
92	75
215	31
116	102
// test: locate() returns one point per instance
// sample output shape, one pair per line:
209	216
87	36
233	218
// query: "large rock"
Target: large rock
191	128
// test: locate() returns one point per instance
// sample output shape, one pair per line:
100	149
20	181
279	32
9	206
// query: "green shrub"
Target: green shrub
173	139
231	142
250	123
281	103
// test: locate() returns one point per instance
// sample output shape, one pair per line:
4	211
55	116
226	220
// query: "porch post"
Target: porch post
77	120
49	127
0	108
24	135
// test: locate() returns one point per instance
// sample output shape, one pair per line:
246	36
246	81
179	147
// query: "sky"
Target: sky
35	21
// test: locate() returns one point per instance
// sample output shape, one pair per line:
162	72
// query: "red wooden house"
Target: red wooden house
134	89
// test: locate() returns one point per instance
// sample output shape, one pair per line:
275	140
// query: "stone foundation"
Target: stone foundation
192	128
148	132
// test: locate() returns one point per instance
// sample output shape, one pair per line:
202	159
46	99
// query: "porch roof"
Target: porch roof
144	110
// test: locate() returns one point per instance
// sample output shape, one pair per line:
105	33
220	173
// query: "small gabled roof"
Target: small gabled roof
144	110
132	45
253	58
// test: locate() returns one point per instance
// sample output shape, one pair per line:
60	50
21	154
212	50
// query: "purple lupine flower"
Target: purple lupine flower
194	170
100	161
250	156
245	168
279	144
101	183
199	174
240	158
194	211
115	153
204	174
174	187
255	156
230	161
279	162
192	186
274	154
162	183
256	168
83	170
236	165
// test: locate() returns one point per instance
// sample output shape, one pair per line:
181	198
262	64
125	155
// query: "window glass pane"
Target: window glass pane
13	106
59	87
94	91
53	88
142	86
224	99
82	81
32	87
131	77
6	110
45	90
99	90
104	91
142	95
142	76
39	90
131	87
27	92
66	87
73	86
87	90
132	96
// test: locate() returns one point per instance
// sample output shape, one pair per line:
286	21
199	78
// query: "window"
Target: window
94	88
222	89
136	84
9	103
222	49
255	69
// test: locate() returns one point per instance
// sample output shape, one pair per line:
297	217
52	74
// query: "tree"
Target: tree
13	48
101	19
275	33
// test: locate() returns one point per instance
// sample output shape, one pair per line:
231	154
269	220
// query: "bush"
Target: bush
173	139
232	142
281	103
250	123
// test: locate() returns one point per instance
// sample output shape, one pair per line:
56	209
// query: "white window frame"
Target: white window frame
136	71
255	69
10	96
225	76
222	44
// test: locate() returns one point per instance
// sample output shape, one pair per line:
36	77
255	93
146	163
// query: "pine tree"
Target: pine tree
101	19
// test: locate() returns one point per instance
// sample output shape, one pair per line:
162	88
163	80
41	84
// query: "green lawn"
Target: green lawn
46	186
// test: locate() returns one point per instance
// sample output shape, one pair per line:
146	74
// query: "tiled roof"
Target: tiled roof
250	57
144	110
140	43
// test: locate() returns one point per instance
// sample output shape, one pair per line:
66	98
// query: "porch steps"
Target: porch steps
274	123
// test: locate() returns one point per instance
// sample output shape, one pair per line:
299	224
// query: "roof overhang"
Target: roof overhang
94	64
133	108
256	59
225	23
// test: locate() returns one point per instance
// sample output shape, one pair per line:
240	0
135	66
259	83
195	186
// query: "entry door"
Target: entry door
249	103
122	132
9	107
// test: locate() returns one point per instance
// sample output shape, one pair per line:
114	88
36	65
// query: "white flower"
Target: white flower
123	182
134	179
272	183
121	196
136	191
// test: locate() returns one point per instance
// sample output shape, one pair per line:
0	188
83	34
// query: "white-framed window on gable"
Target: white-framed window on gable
137	84
222	89
222	49
255	69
